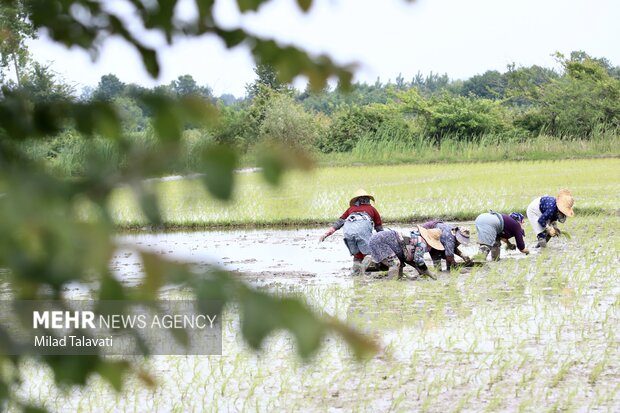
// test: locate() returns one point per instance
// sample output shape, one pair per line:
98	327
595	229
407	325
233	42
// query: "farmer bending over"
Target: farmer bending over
451	238
358	222
394	250
546	211
493	228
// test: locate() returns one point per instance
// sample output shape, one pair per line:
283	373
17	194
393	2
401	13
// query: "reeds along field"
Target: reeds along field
403	193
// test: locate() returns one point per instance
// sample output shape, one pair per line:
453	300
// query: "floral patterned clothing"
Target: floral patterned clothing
390	243
447	238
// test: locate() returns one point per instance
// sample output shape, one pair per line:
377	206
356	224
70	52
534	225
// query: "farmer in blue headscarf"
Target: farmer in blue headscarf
546	211
358	222
493	228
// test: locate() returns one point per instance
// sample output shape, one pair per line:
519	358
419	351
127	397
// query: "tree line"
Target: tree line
577	102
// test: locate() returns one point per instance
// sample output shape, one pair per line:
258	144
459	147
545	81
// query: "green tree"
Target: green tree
108	88
15	29
490	85
185	85
351	124
583	99
287	123
41	84
267	78
130	113
45	243
432	83
458	116
525	84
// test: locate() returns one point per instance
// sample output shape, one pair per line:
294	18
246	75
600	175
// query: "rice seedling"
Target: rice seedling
403	193
518	335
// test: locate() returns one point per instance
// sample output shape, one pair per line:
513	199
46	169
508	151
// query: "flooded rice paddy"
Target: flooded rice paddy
528	333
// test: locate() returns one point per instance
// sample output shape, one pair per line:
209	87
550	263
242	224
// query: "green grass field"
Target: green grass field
403	193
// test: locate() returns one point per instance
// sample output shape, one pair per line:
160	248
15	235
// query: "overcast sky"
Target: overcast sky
458	37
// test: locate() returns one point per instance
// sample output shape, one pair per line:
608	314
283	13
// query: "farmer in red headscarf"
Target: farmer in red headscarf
358	222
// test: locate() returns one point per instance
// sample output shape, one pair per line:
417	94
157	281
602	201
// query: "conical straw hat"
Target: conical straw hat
360	193
462	235
565	202
432	236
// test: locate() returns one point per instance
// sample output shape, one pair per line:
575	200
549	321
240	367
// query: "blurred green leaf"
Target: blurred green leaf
147	379
33	409
148	203
231	38
217	287
113	372
111	289
307	328
149	58
304	4
363	347
261	314
198	110
272	167
167	119
219	163
106	120
159	272
249	5
4	390
259	317
275	158
69	370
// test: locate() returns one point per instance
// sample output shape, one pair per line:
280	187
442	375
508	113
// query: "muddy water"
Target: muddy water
261	256
282	255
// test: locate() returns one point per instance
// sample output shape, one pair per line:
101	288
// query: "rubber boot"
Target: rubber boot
495	250
356	269
394	268
542	240
483	252
365	264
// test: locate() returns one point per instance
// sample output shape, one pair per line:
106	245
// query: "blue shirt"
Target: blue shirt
549	210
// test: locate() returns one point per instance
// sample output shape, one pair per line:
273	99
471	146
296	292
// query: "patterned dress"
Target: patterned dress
389	243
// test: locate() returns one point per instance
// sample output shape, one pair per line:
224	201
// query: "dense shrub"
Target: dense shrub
131	114
576	104
354	123
234	128
464	117
286	122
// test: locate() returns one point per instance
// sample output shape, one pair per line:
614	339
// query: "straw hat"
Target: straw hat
432	236
565	202
462	235
360	193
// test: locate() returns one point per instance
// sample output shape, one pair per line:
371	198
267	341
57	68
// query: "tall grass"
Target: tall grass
386	149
